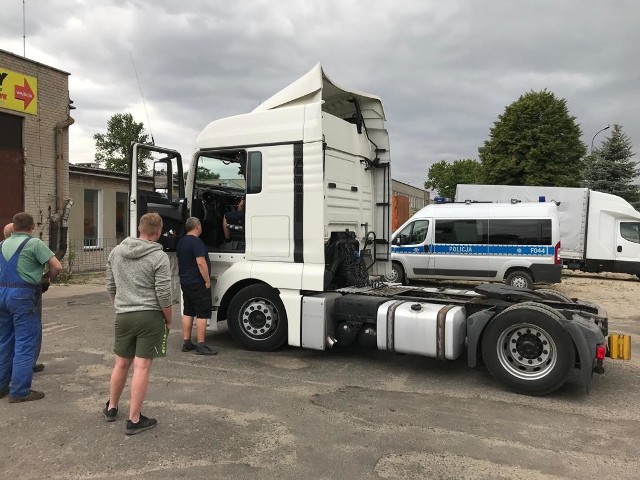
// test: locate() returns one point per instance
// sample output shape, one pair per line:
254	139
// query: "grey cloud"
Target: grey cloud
445	70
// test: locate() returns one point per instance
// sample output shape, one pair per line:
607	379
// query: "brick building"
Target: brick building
34	145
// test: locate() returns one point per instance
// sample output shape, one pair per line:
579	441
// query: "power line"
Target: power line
144	104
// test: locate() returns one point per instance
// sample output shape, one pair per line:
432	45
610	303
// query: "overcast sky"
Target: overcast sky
445	70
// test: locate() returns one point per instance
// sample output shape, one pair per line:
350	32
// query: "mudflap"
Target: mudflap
586	336
475	326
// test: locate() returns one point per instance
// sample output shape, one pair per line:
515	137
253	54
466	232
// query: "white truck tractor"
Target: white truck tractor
312	165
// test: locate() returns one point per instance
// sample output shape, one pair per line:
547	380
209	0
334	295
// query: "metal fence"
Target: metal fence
85	255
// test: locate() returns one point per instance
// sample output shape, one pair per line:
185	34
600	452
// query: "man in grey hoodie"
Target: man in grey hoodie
139	281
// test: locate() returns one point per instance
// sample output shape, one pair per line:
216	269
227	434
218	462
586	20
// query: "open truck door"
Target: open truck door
162	193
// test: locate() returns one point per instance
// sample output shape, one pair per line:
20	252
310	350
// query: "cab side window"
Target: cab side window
414	233
405	235
419	232
630	231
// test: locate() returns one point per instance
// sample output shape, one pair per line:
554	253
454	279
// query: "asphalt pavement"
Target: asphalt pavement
291	414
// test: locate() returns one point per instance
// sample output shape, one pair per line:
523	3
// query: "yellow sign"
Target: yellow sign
18	92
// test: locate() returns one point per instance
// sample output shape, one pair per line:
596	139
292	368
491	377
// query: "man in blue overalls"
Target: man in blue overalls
22	262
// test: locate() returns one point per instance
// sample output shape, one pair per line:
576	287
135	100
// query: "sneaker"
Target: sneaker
4	391
31	396
111	414
188	346
204	350
38	367
143	424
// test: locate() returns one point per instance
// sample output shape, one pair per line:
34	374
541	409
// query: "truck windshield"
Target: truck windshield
223	169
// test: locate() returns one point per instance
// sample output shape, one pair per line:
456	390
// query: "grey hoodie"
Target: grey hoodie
138	276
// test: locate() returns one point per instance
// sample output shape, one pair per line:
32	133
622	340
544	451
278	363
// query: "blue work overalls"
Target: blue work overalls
19	326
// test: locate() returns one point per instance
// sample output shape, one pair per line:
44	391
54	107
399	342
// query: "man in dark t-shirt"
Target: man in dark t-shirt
195	283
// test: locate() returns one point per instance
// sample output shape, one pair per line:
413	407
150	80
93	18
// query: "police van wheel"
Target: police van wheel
526	348
257	319
519	279
396	275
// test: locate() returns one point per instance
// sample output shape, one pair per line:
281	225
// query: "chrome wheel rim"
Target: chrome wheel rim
527	351
519	282
394	276
258	318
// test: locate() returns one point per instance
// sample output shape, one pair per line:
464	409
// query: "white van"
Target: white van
515	243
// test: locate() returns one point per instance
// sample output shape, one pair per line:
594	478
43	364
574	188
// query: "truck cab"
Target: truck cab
311	165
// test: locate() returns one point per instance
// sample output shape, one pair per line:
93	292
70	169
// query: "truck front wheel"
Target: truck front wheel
525	348
257	319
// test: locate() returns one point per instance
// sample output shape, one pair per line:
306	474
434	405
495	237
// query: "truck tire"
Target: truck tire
519	279
397	274
257	319
526	348
553	295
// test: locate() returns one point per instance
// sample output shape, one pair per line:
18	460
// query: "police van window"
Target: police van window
520	232
419	232
254	172
405	235
461	231
630	231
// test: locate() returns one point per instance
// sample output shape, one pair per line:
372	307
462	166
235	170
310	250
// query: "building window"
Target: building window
122	215
92	217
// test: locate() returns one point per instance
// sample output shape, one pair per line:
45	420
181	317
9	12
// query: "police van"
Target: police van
515	243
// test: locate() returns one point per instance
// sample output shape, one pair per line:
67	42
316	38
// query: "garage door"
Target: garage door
11	166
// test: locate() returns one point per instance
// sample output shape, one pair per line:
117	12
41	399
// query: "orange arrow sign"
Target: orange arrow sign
24	93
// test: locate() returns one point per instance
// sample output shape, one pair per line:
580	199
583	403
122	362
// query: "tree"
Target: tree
610	168
112	147
534	142
445	177
202	174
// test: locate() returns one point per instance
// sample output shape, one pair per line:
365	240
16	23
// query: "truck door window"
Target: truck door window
220	186
630	231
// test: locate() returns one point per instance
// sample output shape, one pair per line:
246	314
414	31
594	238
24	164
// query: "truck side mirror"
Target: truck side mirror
162	178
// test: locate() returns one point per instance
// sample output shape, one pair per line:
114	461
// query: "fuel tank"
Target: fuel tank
427	329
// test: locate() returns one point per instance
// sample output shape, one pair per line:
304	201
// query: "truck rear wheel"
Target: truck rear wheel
519	279
257	319
525	348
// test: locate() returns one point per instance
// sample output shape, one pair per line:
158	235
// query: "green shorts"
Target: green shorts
141	334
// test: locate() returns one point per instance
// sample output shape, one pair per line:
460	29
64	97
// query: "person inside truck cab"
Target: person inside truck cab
233	227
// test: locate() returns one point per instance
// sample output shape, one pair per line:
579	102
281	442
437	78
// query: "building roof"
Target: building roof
101	172
20	57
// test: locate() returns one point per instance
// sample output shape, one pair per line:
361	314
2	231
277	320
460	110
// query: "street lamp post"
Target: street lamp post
594	137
